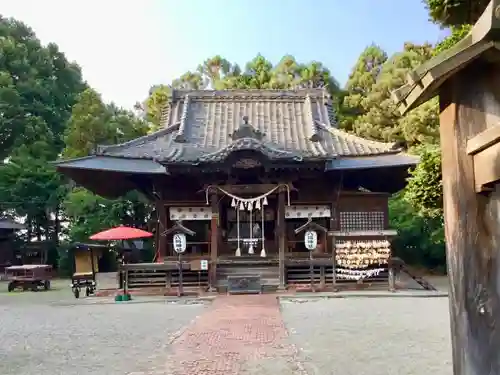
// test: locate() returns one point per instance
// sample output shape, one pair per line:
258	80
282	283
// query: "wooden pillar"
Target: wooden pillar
331	238
281	231
162	241
469	105
214	241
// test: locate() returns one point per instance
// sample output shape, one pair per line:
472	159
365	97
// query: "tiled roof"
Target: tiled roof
203	126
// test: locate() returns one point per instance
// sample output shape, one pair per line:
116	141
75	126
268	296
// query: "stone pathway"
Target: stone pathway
235	332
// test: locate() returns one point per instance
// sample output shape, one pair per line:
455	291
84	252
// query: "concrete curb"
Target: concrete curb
311	296
91	301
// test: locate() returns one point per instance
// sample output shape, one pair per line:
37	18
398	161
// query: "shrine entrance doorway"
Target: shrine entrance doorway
251	231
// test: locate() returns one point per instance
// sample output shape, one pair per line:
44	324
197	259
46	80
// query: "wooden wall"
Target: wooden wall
189	191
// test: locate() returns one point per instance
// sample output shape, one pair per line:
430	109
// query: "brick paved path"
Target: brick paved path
235	331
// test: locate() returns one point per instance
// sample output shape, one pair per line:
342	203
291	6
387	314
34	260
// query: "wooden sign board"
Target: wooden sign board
199	265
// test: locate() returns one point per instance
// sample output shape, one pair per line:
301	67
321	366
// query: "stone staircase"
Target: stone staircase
242	268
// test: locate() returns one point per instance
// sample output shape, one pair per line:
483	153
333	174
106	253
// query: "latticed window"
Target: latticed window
357	221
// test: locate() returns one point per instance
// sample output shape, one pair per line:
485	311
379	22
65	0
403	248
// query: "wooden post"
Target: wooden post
214	242
331	238
392	279
469	104
322	277
467	81
180	287
281	239
168	280
162	243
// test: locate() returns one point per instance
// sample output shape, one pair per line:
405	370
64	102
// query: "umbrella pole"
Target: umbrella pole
125	283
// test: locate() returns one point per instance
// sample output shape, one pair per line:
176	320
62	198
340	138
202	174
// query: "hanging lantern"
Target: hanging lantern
264	201
233	203
238	252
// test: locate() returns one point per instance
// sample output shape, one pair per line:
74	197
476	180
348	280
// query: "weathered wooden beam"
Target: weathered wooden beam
483	140
469	105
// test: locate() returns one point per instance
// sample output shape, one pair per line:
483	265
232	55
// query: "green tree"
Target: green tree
287	73
456	12
420	239
424	191
93	122
88	126
38	87
379	118
152	107
89	213
189	81
31	188
218	73
417	213
457	34
361	81
213	71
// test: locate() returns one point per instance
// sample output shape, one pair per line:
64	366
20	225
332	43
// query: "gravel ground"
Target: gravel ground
51	333
382	336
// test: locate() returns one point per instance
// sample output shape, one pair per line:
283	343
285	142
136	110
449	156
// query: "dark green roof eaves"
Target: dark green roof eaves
112	164
119	149
376	161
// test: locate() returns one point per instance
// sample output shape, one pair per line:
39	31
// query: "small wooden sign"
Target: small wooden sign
199	265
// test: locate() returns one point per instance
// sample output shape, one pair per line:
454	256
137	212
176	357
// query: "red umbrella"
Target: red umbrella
120	233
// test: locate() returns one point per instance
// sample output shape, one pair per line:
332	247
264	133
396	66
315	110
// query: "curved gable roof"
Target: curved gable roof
295	123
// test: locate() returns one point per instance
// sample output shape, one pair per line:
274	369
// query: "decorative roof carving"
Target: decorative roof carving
247	131
250	144
246	163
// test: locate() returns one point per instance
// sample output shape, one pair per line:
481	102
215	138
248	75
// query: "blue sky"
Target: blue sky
125	46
